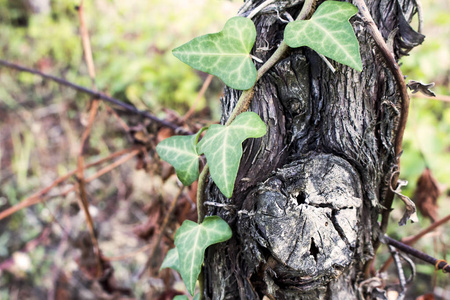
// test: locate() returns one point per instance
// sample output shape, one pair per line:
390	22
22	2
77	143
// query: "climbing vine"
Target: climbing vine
226	54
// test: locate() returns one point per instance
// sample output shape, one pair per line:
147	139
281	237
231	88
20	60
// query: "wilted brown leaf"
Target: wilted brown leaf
417	86
428	296
164	133
426	195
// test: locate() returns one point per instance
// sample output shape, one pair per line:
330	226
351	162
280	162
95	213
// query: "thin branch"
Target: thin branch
400	272
37	197
83	201
94	94
103	171
443	98
413	239
247	95
438	263
122	123
86	42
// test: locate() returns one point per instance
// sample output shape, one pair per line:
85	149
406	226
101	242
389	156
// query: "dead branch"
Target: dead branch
37	197
83	201
94	94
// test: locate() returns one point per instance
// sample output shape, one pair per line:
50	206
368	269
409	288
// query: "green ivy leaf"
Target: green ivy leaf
222	146
181	153
192	239
171	260
183	297
328	32
225	54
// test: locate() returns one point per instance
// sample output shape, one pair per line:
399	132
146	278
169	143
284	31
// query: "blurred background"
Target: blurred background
44	247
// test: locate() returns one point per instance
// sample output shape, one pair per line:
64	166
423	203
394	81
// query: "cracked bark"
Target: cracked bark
308	194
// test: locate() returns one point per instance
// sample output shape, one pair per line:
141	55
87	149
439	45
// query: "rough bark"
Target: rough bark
307	197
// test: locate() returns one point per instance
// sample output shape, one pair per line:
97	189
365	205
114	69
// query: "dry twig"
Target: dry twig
413	239
94	94
438	263
83	201
38	196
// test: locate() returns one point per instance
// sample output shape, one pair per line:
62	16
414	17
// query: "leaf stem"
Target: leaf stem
242	105
246	96
200	193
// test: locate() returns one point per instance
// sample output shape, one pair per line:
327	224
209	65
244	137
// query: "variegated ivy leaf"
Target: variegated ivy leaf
222	146
181	153
328	32
225	54
171	260
183	297
191	241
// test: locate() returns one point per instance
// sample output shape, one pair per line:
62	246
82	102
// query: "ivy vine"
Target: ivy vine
226	54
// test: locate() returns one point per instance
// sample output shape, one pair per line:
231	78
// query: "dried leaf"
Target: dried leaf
164	133
417	86
407	38
426	195
429	296
410	213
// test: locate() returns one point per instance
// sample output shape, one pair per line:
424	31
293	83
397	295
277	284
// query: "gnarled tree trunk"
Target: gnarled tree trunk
307	197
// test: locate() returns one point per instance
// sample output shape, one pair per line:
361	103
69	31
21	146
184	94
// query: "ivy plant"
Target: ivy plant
183	297
328	32
181	153
222	146
191	241
226	54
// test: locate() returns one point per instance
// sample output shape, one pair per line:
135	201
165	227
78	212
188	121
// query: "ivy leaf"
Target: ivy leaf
191	240
328	32
225	54
171	260
222	146
181	153
184	297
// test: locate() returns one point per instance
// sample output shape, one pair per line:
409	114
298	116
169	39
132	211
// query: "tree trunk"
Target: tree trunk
307	197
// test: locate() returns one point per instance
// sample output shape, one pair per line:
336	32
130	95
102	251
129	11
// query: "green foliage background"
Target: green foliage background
132	42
